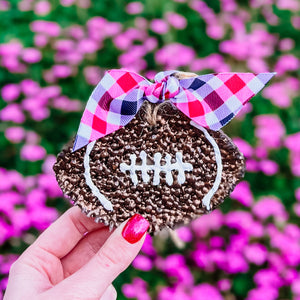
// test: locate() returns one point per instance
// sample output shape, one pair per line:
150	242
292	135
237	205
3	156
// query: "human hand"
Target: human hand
75	258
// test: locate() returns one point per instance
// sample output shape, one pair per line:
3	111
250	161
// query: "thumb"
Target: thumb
110	293
119	250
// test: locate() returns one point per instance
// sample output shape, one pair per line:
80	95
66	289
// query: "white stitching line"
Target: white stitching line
211	192
87	174
157	167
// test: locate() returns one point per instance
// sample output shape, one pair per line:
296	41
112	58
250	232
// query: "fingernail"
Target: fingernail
135	229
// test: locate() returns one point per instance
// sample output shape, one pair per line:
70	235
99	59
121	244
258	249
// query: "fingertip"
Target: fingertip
135	228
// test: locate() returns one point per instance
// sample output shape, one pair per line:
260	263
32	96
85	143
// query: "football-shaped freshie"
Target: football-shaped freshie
160	165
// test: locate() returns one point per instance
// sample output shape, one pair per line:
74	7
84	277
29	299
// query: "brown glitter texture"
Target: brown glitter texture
162	205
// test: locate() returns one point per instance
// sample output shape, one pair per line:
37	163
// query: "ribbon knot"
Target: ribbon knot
210	100
164	88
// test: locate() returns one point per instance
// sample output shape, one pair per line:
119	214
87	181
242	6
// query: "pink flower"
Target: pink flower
261	152
10	92
296	209
31	55
243	146
244	46
205	291
46	27
229	5
214	30
296	22
64	45
150	44
42	8
34	103
270	206
9	200
296	286
30	87
36	198
206	223
268	167
32	152
24	5
11	49
185	234
292	142
252	165
297	194
4	6
159	26
48	164
269	130
40	113
51	91
242	194
66	104
295	163
141	23
176	20
143	263
61	71
290	276
92	75
241	220
138	289
216	242
76	32
122	41
48	183
236	263
32	137
224	284
263	293
256	253
175	266
174	293
67	2
287	62
12	112
15	134
41	217
257	65
132	61
267	278
148	247
286	44
134	8
41	40
282	93
12	179
175	55
87	46
292	5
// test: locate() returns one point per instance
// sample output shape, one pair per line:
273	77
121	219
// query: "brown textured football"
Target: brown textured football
159	166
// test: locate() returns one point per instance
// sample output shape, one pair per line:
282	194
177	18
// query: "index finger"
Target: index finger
63	235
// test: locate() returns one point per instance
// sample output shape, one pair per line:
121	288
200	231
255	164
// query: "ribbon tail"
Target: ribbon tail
213	100
113	103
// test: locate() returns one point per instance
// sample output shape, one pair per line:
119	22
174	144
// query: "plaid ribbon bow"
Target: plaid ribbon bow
210	100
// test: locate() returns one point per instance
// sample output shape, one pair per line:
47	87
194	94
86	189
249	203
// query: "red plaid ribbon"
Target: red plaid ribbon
210	100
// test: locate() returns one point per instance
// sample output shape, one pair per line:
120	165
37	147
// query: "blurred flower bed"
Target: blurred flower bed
52	54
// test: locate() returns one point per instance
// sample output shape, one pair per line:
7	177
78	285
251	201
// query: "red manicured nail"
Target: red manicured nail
135	229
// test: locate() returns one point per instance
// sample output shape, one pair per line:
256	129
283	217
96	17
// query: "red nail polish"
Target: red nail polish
135	229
